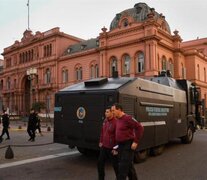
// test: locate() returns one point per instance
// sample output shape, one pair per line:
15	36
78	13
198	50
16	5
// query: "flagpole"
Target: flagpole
28	13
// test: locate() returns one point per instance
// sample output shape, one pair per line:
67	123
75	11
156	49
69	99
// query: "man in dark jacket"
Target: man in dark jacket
128	133
32	124
106	144
5	123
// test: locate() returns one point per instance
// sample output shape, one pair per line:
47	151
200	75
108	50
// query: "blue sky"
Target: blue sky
85	18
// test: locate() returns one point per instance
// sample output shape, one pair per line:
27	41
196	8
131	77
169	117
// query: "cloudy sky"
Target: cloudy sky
85	18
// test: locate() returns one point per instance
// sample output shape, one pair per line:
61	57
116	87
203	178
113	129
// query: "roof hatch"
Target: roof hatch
96	82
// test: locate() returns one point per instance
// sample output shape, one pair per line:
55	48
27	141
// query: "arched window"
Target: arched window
79	73
171	67
27	55
64	75
47	76
50	50
183	71
125	23
45	51
20	58
113	65
126	64
164	63
32	54
94	71
23	57
140	62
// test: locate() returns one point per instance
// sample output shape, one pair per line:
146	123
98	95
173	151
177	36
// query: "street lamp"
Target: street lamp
31	73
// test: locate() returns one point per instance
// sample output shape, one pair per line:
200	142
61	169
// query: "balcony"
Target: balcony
45	86
42	85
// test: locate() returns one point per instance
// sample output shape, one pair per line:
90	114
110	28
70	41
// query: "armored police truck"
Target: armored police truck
167	108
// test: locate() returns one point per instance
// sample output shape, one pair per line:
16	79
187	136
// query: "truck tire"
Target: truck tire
187	139
155	151
88	152
140	156
82	150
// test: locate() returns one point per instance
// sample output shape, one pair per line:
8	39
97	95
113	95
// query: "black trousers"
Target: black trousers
5	130
31	132
126	161
106	154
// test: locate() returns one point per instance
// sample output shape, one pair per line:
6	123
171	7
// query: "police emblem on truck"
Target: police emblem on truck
81	113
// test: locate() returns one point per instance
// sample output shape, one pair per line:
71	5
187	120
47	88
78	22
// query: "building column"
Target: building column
177	65
132	67
103	64
119	66
150	58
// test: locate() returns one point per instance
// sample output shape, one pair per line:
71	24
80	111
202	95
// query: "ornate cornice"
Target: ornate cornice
195	52
124	31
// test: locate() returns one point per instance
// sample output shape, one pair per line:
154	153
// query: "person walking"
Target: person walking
5	123
128	134
106	144
38	126
32	124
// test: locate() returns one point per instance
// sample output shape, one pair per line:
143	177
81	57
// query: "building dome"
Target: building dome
139	13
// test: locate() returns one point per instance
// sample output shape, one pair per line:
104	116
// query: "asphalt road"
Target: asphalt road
55	161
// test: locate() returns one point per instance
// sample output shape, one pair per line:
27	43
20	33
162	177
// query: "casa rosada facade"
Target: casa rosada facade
139	43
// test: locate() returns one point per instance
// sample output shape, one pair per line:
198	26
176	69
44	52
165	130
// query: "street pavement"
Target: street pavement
35	160
24	149
22	126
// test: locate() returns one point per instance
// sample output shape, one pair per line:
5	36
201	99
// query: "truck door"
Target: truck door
80	120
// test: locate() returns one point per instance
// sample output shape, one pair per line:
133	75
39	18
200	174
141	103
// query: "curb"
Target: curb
25	129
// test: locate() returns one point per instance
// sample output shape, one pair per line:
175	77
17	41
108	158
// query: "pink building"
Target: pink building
195	53
139	43
30	69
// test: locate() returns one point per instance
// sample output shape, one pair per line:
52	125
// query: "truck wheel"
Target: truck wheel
155	151
187	139
82	150
88	152
140	156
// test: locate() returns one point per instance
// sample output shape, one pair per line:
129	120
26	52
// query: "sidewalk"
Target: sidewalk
22	126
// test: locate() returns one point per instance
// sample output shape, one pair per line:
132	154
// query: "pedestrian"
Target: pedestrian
5	123
32	124
128	134
38	127
106	144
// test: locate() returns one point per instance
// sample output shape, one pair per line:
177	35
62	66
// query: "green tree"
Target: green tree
37	106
